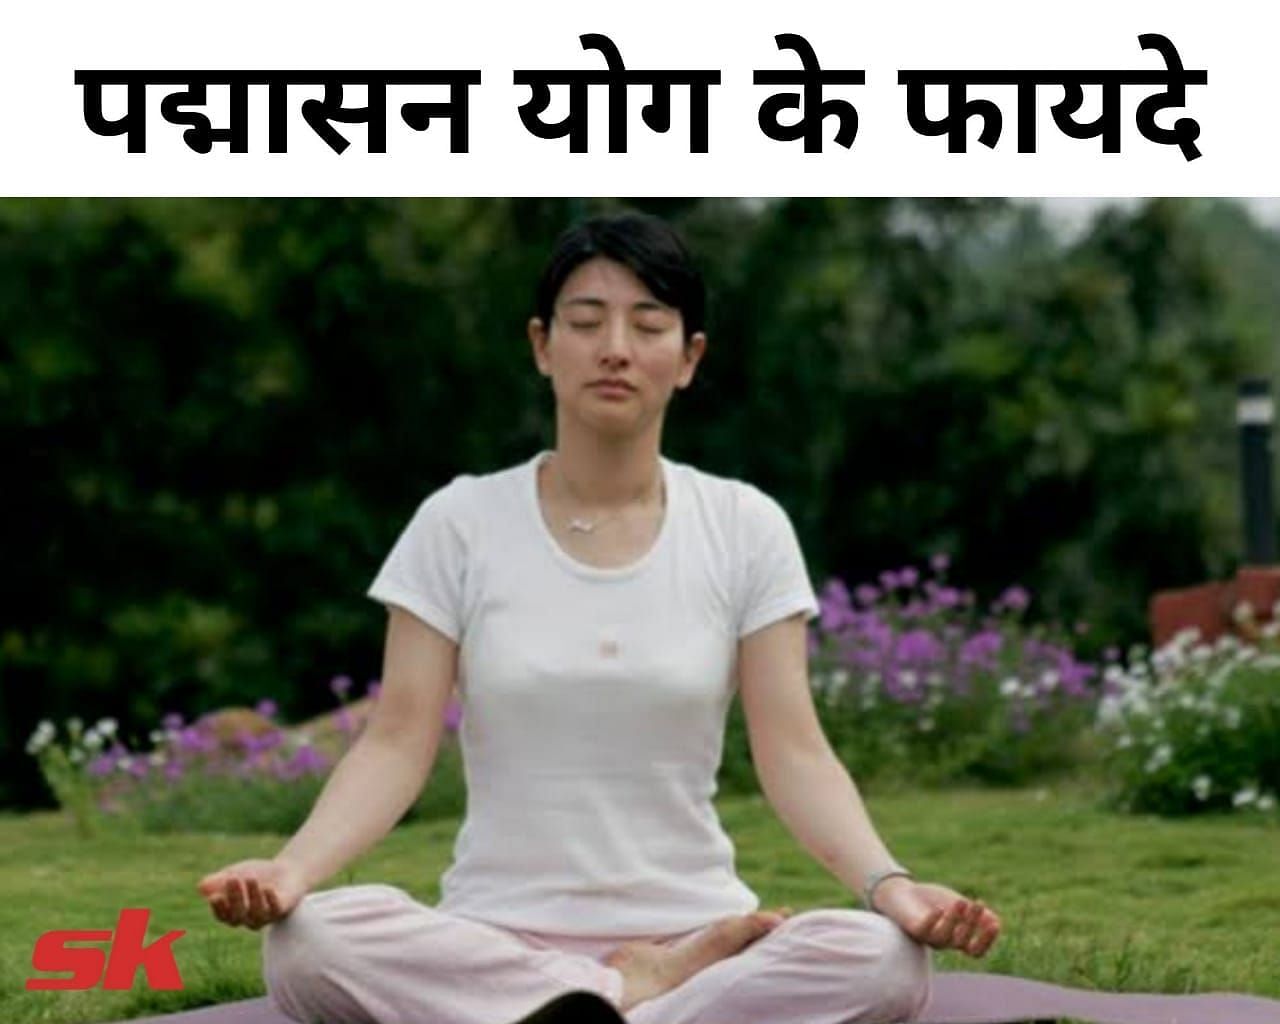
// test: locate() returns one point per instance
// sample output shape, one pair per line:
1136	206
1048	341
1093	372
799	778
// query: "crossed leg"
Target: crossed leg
371	954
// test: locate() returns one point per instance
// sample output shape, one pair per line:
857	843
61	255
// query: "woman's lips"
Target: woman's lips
612	390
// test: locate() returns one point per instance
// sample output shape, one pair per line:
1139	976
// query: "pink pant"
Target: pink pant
370	954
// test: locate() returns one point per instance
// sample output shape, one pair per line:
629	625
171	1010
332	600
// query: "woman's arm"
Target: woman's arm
385	769
816	799
799	773
368	791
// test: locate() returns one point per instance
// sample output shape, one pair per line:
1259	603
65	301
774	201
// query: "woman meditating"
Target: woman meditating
598	605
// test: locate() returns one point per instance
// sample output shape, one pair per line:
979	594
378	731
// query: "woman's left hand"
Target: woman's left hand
938	916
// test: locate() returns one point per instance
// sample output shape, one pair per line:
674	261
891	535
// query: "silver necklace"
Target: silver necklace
578	524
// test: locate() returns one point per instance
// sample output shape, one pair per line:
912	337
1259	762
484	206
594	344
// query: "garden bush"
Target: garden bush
193	780
1194	727
913	681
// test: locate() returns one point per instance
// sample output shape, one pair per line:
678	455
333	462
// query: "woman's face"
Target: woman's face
614	353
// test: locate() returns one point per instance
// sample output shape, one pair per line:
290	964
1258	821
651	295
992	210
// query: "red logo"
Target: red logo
88	965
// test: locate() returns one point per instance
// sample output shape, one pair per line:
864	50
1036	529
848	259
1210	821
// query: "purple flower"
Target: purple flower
197	741
308	759
340	685
172	722
946	597
940	562
980	650
1015	599
102	765
1112	653
908	577
866	594
173	770
918	647
835	607
345	722
267	708
889	580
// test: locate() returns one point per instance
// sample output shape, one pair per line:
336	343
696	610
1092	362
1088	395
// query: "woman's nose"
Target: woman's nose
616	342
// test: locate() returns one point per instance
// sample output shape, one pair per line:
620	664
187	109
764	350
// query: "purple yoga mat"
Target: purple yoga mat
958	998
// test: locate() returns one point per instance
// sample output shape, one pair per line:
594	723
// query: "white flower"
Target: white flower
908	679
1231	716
76	756
157	758
1245	796
1010	687
41	738
1266	802
1160	757
124	764
107	727
1109	710
926	724
1242	612
157	735
1050	679
1201	785
75	726
1124	742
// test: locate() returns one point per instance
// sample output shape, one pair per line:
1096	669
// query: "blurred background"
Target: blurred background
217	415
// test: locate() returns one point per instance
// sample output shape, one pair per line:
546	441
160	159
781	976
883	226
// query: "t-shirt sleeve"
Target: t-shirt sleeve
775	582
425	570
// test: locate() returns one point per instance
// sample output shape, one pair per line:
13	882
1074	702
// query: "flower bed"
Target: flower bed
234	771
1195	727
914	680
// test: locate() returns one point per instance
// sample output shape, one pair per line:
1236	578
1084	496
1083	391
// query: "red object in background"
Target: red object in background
127	954
1210	607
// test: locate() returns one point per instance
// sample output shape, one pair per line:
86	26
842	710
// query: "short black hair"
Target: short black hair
650	247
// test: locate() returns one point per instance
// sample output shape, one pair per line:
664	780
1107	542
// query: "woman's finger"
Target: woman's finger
256	906
983	941
273	905
940	935
235	900
219	908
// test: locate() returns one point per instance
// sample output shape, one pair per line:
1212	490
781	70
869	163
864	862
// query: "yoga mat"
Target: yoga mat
958	998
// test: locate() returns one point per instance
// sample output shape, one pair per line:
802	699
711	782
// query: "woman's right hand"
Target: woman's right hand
253	893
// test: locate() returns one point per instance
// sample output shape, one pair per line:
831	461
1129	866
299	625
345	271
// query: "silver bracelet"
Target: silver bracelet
875	878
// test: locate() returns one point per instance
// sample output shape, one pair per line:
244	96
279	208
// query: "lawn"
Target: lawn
1088	898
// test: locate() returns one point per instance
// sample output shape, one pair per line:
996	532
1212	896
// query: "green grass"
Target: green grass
1088	898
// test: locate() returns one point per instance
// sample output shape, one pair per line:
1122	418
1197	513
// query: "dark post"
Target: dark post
1254	413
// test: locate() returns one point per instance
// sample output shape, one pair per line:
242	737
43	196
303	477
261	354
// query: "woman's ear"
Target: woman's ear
693	353
538	339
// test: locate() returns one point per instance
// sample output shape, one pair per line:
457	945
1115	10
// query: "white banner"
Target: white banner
1192	113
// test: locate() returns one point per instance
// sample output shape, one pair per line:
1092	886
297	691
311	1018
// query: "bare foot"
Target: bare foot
648	969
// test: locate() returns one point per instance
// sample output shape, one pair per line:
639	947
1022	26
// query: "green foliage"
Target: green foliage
222	412
1195	728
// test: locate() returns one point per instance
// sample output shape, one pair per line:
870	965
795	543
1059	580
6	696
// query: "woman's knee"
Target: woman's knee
300	947
897	967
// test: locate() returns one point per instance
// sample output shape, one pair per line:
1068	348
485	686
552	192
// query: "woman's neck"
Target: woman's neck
606	473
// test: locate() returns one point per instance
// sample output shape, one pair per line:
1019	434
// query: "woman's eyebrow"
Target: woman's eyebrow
643	306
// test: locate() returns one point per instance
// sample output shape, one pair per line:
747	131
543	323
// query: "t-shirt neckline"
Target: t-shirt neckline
582	568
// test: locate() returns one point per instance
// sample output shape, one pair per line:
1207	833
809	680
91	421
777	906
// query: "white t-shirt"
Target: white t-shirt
594	700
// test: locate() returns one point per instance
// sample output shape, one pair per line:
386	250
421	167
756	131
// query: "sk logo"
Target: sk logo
89	965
